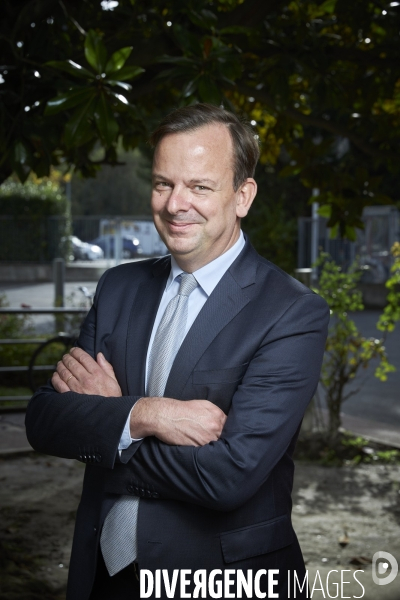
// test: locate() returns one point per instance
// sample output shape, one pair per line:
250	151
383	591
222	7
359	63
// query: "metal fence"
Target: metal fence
372	246
12	403
41	239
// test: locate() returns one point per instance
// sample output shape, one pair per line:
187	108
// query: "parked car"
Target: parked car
78	250
130	246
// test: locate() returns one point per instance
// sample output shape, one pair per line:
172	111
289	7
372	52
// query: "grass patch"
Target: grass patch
14	391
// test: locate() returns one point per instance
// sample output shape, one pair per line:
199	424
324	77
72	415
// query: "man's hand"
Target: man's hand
78	372
177	422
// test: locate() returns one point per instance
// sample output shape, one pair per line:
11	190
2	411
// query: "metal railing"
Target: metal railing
19	402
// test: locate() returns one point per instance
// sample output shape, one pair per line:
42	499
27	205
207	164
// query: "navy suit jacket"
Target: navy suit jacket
255	350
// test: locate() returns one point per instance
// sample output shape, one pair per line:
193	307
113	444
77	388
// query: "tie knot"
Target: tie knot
187	285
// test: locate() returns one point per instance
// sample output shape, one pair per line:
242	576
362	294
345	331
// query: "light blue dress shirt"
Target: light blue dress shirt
207	277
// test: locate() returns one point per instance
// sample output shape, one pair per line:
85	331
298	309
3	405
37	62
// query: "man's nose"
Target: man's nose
178	200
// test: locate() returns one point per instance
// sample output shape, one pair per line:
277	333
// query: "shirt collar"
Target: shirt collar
209	276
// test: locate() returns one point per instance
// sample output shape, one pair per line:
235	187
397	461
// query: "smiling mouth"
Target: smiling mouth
180	224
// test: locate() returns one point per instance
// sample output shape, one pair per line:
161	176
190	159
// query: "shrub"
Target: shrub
33	219
346	350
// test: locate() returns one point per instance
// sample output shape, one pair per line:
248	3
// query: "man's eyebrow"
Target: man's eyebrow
202	181
159	176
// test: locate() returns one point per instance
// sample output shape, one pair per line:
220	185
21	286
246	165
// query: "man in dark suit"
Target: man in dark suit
210	455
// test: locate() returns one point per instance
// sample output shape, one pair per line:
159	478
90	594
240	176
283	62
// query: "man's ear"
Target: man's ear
245	196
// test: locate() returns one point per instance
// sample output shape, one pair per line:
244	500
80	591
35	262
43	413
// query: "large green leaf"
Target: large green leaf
125	86
188	42
21	160
189	88
71	67
208	90
117	60
95	51
325	210
105	121
126	73
68	100
78	128
20	153
205	18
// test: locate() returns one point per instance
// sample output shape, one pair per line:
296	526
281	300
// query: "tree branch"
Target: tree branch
311	121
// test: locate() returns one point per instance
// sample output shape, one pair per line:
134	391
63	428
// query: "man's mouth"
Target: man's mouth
179	225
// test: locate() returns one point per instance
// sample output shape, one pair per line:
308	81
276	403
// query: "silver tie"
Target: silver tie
118	539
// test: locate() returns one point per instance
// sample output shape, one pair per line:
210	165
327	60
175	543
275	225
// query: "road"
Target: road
42	295
375	405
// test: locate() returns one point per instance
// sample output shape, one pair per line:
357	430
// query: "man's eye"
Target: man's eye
161	184
201	188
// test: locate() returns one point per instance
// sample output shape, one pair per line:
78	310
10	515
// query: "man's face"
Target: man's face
195	208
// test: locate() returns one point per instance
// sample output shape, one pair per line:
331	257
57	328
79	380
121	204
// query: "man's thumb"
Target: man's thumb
105	365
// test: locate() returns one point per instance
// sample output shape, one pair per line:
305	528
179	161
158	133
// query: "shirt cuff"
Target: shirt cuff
126	439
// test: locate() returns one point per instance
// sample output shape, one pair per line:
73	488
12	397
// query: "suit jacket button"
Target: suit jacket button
136	490
80	457
147	494
85	457
155	495
98	457
95	529
130	488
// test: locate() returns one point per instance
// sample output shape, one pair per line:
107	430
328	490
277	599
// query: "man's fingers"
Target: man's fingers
59	384
72	366
84	359
105	365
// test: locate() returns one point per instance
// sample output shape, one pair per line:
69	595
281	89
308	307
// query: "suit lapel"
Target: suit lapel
228	298
143	314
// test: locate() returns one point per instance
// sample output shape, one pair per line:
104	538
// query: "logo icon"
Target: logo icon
381	561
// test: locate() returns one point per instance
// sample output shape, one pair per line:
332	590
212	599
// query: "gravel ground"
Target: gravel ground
39	496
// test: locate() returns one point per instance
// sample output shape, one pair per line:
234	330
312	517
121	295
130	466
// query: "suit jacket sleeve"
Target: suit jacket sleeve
61	424
265	414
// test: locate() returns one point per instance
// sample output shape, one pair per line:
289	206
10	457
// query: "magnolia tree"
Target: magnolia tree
319	80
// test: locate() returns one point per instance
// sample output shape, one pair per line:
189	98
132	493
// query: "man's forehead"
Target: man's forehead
196	143
212	132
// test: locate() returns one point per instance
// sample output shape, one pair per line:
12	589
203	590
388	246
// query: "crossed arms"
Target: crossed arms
190	423
190	452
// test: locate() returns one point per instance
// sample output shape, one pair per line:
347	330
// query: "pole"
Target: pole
59	280
314	236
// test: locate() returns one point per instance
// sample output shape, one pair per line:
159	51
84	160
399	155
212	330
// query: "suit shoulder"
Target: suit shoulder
139	268
133	272
284	285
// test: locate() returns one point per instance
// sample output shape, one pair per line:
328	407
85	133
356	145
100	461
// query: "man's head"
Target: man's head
189	118
203	165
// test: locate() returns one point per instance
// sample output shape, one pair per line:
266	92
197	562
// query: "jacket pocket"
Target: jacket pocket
219	375
261	538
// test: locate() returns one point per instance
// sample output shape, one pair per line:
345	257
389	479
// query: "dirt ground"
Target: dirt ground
39	496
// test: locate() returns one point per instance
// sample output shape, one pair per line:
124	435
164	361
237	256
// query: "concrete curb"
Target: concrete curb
15	452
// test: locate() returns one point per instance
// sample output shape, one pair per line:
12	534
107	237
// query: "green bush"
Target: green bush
14	355
33	219
43	199
346	350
